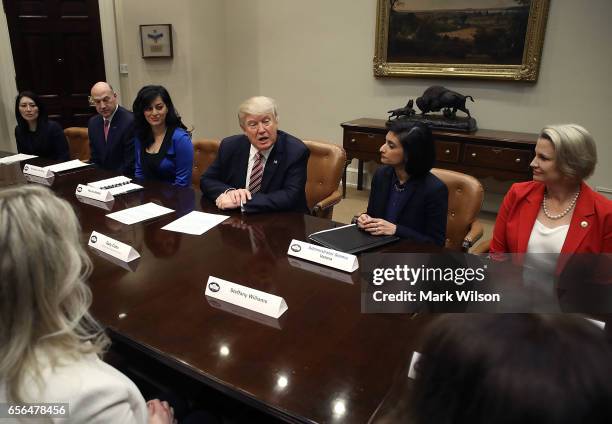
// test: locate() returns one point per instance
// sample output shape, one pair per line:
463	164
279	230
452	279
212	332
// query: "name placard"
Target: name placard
322	255
113	247
39	180
37	171
94	193
245	297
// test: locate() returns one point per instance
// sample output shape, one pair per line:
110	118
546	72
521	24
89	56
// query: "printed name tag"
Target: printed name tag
112	247
93	193
322	255
321	270
245	297
37	171
39	180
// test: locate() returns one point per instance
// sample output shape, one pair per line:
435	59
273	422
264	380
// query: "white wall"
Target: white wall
315	58
194	76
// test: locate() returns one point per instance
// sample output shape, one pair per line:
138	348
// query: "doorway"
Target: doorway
58	54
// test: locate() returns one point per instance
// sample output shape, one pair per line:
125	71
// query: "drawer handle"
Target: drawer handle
447	151
473	155
517	160
353	140
496	151
371	135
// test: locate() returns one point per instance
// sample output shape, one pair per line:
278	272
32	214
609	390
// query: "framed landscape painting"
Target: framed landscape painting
491	39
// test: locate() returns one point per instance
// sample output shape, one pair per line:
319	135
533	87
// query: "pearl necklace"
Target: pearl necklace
562	214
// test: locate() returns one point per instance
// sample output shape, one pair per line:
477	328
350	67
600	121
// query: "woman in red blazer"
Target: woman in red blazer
557	212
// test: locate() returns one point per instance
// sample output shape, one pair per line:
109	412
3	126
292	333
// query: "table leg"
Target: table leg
360	175
346	164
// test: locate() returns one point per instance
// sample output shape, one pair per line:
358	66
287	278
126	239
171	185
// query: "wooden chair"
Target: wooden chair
78	143
465	195
204	153
325	166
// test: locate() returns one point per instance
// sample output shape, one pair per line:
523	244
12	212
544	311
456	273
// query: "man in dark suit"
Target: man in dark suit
111	132
263	169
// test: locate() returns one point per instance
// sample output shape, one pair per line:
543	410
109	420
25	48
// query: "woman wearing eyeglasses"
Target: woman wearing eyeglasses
163	146
35	134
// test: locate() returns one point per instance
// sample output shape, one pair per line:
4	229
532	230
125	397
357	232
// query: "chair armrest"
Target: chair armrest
482	247
474	234
328	202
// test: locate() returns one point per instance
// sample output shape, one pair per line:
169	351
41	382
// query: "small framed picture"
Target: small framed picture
156	40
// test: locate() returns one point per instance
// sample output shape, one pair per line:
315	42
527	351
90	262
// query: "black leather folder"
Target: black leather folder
350	239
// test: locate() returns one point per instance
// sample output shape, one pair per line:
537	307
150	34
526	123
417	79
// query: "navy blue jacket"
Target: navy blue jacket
116	154
284	177
423	214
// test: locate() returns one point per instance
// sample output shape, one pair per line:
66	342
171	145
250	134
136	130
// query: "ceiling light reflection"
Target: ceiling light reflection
339	407
282	382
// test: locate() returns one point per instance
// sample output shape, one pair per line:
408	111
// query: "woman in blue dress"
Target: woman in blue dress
163	146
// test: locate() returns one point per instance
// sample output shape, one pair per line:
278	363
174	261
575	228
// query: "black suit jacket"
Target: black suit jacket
425	206
284	178
48	141
117	153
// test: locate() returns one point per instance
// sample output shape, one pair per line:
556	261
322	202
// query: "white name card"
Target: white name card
94	193
37	171
113	247
245	297
322	255
39	180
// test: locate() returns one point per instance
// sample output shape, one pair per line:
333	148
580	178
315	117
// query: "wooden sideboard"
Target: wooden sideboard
503	155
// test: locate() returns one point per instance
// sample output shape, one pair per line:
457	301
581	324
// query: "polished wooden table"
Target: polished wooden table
322	361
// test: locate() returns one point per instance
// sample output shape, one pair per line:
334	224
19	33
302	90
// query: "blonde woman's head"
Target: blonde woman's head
44	300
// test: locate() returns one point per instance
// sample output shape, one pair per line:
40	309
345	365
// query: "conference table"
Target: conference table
323	360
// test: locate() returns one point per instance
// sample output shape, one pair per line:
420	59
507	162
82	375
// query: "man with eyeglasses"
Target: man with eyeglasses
261	170
111	132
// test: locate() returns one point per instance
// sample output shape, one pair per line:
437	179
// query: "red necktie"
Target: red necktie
256	174
106	127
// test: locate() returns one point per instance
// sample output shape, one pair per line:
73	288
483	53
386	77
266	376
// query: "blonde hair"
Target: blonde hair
258	105
44	300
575	149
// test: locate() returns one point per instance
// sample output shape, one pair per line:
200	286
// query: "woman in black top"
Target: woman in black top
35	134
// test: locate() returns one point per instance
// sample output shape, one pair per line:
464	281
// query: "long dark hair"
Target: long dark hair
144	98
42	111
509	368
418	144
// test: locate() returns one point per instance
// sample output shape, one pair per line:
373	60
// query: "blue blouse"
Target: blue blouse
176	165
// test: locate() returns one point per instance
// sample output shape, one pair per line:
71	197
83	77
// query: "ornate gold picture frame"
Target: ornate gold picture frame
484	39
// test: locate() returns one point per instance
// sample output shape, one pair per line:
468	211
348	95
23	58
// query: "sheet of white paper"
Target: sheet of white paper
196	223
64	166
116	185
110	182
127	188
139	213
16	158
